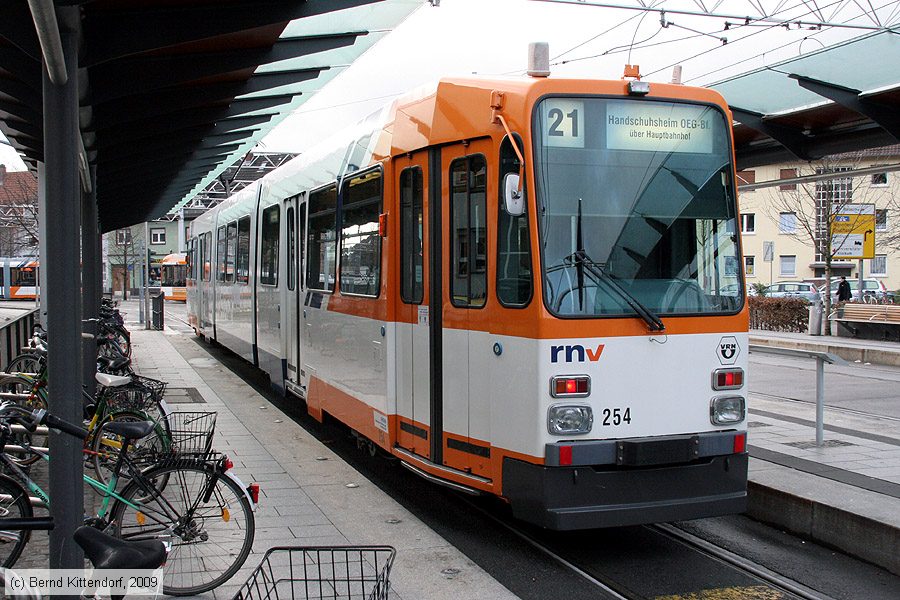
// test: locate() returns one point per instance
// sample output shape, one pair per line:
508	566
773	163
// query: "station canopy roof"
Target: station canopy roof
172	92
841	98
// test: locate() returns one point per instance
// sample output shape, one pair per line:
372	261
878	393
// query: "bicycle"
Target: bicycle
198	504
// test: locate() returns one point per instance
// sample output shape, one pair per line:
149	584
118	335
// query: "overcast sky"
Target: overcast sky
490	37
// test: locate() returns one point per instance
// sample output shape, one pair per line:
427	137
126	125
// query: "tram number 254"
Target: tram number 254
616	416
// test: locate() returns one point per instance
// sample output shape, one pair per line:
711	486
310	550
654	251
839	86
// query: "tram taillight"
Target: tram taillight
570	386
740	443
728	379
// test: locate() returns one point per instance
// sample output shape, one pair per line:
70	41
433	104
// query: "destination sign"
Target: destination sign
659	127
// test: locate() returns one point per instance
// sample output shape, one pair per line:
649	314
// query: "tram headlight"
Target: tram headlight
565	419
726	410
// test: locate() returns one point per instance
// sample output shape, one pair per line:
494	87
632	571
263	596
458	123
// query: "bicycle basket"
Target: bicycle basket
319	572
134	397
156	387
192	432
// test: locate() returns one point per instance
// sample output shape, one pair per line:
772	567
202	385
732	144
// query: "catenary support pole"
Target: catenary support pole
820	401
62	213
90	273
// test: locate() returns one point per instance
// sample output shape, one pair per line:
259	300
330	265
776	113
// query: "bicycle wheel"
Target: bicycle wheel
144	453
25	363
22	390
14	504
204	514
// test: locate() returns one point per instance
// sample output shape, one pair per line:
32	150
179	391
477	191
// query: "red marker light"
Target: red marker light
228	464
570	386
728	379
740	443
565	455
253	488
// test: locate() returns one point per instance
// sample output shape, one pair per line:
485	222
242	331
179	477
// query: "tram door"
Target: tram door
466	344
413	318
293	210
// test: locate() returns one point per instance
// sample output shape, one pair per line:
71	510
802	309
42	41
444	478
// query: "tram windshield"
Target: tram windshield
637	208
174	275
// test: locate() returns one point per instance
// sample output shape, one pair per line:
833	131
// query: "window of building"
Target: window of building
879	179
242	267
787	222
787	174
788	265
269	245
220	253
412	230
746	178
322	239
878	265
514	281
123	237
748	222
750	266
881	219
468	227
158	236
360	238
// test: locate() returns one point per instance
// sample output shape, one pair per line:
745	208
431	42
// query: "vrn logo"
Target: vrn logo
575	353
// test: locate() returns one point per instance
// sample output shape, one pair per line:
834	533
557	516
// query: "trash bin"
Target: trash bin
815	318
156	310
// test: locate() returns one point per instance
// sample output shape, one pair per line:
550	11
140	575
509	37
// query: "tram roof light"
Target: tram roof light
638	88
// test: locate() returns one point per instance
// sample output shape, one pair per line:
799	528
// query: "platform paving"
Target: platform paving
845	494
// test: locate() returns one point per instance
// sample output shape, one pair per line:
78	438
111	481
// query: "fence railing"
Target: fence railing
16	326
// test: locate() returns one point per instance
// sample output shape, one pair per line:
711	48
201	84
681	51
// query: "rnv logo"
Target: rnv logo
575	353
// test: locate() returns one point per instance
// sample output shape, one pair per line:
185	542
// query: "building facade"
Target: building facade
783	226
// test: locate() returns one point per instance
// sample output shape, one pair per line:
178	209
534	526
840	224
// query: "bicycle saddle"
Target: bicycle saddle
106	552
107	380
134	430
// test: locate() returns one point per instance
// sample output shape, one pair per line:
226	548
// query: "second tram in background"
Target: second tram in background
18	278
520	287
173	277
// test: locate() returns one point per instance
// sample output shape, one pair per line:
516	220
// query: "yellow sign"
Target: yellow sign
853	231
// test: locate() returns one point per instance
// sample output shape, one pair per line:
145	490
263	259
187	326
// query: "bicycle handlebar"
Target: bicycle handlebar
55	422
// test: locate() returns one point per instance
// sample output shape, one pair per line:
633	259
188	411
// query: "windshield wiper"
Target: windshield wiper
581	260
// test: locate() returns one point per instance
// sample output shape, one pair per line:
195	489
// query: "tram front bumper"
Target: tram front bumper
586	497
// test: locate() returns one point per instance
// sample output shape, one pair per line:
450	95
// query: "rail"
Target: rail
16	326
821	359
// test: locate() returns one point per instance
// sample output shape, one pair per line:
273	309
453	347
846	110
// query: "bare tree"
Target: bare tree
18	213
809	209
125	250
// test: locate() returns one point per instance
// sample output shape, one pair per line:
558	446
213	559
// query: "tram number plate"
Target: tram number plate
639	453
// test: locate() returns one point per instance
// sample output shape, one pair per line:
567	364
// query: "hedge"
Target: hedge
779	314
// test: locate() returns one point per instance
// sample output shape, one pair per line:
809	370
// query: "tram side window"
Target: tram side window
243	251
220	253
322	239
468	226
412	223
268	255
189	259
230	251
360	238
292	246
514	281
207	256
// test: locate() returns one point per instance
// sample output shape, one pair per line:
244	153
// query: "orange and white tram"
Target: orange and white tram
18	278
172	277
518	287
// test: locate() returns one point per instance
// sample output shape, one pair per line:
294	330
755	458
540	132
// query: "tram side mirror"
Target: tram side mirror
513	195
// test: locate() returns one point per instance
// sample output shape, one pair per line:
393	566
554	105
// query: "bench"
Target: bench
869	321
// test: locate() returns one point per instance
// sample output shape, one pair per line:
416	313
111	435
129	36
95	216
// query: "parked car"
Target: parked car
871	287
794	289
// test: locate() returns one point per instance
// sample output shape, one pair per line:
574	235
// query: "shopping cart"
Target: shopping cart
320	573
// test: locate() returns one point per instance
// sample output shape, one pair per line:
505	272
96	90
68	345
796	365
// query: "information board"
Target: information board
853	231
